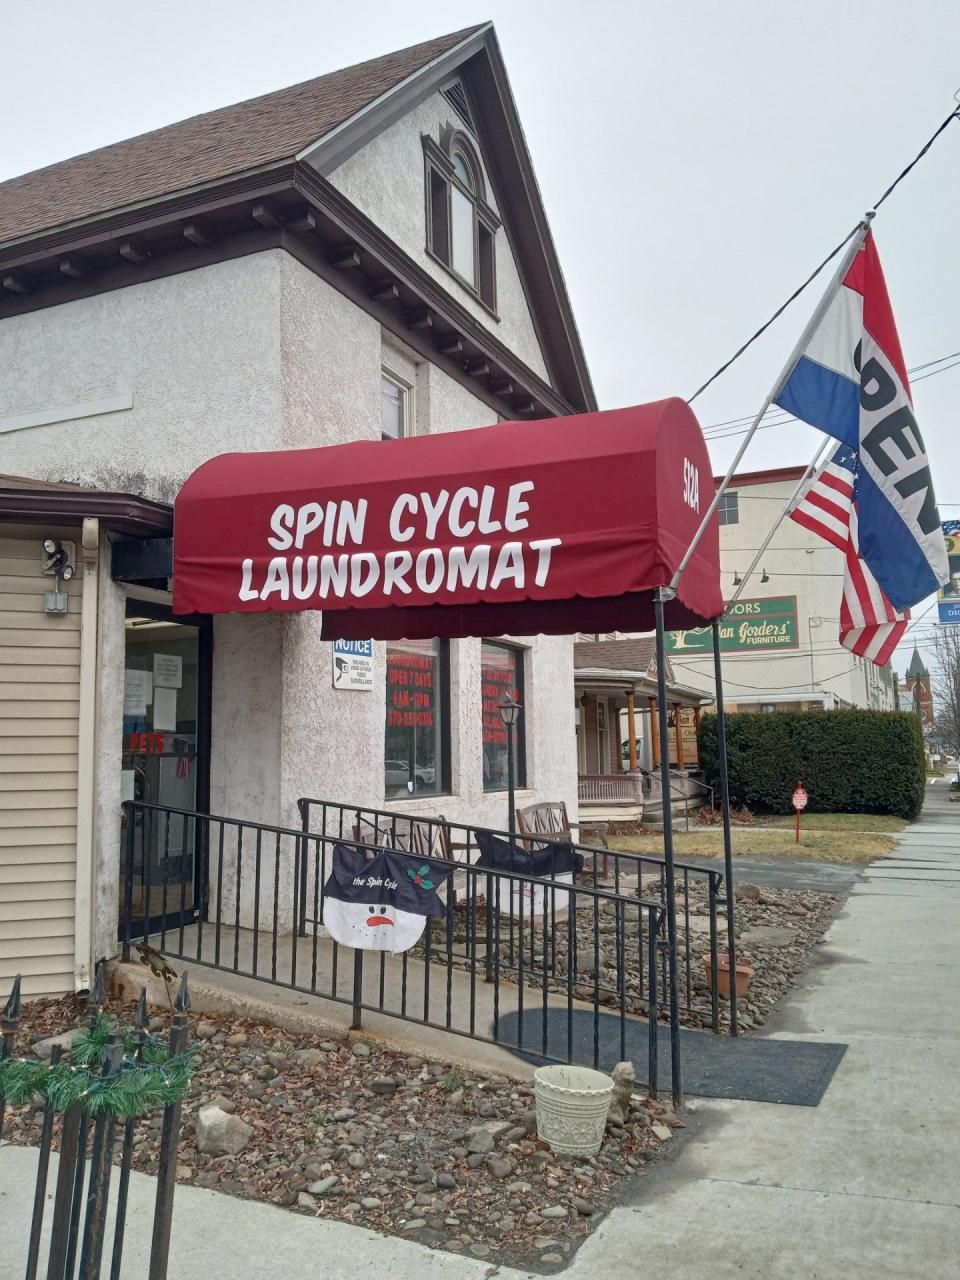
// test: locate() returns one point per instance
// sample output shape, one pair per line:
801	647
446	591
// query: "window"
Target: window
416	748
729	508
395	407
461	226
501	672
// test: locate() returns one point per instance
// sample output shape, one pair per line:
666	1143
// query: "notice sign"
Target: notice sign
752	626
353	664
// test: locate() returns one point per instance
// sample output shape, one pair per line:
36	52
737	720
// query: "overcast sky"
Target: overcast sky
696	160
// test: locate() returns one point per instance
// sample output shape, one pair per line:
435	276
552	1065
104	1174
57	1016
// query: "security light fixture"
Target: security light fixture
764	577
56	561
737	580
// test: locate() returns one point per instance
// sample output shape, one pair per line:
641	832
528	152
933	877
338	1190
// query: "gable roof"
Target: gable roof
636	654
207	147
253	176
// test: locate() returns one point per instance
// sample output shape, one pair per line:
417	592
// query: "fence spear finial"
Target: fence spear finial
11	1010
98	996
142	1015
182	1002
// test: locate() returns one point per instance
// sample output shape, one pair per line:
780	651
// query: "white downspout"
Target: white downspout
87	756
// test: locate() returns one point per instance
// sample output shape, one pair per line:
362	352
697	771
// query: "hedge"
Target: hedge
848	761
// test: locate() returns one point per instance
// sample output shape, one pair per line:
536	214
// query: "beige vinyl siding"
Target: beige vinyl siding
39	701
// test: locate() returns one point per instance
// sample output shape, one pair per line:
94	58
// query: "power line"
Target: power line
776	417
954	114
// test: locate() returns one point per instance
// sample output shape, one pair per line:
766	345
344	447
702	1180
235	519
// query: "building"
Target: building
780	642
919	690
361	256
615	685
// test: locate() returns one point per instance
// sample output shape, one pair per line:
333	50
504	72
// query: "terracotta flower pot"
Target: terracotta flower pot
745	974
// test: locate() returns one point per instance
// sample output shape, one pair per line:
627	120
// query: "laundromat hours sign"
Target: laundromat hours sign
752	626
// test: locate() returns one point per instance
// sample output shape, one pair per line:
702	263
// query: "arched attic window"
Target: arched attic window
461	226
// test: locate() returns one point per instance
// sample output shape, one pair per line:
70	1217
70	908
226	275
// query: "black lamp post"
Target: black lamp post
510	714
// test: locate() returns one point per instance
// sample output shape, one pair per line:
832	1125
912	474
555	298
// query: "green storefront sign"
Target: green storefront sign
753	626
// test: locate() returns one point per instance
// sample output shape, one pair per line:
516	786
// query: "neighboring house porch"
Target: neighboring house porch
618	741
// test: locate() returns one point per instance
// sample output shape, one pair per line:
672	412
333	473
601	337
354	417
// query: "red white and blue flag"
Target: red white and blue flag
869	624
850	381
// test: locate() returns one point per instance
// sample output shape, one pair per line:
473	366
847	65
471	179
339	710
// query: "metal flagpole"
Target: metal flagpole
659	596
727	838
799	348
813	468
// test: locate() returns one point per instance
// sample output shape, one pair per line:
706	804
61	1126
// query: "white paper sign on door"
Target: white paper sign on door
167	671
164	709
137	691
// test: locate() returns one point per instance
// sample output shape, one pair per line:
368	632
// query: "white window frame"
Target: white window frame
408	406
729	505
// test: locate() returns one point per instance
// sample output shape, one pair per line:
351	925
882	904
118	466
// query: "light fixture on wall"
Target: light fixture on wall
737	580
764	577
56	561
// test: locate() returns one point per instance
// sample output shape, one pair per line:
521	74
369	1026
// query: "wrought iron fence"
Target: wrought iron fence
700	890
78	1231
505	965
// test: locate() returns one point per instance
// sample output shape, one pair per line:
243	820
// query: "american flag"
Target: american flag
869	625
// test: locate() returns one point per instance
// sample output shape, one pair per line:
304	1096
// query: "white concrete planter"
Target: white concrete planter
572	1105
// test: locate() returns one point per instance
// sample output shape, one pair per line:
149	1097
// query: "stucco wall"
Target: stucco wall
385	180
256	354
199	353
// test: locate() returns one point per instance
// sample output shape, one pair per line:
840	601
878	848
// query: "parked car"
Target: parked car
397	776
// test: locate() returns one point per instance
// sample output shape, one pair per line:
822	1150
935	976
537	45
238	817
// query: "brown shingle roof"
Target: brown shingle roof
207	147
635	654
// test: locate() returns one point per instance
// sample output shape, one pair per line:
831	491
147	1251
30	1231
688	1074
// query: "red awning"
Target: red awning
553	526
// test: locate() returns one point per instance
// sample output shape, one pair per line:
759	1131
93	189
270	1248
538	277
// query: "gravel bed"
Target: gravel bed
776	930
352	1131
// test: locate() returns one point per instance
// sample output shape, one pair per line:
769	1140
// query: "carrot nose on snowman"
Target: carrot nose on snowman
374	919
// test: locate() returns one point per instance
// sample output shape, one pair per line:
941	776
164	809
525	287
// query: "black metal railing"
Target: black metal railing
700	890
505	965
79	1235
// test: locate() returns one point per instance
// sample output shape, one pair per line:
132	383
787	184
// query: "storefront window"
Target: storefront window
418	707
501	673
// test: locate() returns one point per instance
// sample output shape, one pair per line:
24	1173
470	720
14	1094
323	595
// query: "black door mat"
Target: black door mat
793	1072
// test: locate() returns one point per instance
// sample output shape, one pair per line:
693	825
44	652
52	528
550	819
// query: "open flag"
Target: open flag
869	624
849	380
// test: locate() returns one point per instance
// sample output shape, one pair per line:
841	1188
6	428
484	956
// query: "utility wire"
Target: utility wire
954	114
778	417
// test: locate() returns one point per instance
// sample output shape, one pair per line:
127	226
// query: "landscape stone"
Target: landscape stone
43	1048
360	1050
305	1201
324	1186
309	1057
480	1142
221	1134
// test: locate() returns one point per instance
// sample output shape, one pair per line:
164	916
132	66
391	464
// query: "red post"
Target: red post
798	827
799	801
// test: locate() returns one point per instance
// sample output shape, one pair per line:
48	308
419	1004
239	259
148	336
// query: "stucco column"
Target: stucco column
631	731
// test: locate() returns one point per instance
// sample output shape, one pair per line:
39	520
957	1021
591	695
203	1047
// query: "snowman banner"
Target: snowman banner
381	903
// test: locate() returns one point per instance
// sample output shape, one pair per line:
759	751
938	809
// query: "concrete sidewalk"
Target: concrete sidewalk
866	1184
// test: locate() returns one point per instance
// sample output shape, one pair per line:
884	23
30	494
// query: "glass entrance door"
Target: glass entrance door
165	759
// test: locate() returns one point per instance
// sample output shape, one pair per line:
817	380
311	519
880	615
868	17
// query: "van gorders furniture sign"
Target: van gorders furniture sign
753	626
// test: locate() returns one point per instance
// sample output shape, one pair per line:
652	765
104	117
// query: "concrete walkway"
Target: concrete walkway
867	1184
